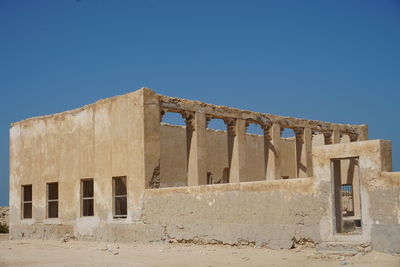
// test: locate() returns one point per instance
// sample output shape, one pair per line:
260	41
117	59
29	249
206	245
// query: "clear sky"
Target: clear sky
336	61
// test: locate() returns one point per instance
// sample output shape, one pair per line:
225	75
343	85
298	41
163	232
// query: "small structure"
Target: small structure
113	171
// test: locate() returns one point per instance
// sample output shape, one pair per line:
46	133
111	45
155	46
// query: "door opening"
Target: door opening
346	196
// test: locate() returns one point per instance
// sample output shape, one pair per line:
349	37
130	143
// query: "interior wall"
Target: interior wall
255	158
288	151
217	155
173	162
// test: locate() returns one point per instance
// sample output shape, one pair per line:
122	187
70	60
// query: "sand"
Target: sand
87	253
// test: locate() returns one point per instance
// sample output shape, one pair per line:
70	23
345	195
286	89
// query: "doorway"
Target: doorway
346	196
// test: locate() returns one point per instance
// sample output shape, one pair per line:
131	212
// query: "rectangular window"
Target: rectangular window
52	200
87	193
27	201
120	197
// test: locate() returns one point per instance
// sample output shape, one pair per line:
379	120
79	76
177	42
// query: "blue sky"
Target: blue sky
337	61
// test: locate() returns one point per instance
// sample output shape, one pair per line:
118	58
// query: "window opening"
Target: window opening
52	200
120	197
87	193
27	201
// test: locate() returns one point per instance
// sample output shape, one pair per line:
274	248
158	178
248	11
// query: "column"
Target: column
267	147
237	150
299	164
303	153
196	148
230	136
356	187
363	133
274	163
328	137
337	204
336	136
307	152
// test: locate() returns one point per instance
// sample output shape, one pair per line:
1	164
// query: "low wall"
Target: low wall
272	213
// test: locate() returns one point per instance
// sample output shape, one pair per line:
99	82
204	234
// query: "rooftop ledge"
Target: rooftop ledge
175	104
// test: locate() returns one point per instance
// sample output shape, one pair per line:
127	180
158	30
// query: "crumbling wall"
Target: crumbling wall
385	213
270	213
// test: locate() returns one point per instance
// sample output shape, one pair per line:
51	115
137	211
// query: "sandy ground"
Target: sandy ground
82	253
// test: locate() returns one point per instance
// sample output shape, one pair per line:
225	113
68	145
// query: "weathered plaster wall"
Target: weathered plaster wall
173	162
98	141
385	195
273	213
217	153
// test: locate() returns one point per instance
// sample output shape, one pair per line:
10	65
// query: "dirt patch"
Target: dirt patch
85	253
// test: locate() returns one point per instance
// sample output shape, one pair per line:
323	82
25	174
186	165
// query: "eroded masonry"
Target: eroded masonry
114	171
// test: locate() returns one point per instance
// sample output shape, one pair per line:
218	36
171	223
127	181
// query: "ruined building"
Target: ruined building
113	170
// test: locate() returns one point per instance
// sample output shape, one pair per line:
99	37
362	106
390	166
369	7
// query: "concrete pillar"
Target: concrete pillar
328	137
237	147
303	148
307	152
299	164
267	147
337	185
363	135
196	149
304	167
354	168
336	136
230	136
274	151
